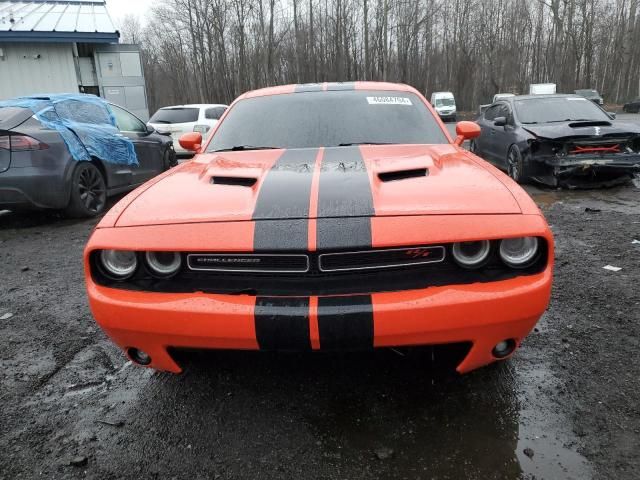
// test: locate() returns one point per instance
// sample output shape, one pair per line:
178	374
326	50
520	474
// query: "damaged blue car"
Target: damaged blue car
72	151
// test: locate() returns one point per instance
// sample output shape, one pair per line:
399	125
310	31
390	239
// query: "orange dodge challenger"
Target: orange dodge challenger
334	216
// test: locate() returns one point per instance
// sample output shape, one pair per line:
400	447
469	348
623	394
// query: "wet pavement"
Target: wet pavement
565	407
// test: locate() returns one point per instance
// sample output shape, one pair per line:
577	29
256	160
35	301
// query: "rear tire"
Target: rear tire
517	167
88	191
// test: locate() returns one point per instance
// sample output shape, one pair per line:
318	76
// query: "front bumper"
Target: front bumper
447	115
588	172
482	314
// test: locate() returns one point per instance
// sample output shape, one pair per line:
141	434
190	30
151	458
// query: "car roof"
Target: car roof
548	95
327	86
194	105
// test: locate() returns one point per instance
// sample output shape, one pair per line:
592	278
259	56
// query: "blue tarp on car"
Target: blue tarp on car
86	124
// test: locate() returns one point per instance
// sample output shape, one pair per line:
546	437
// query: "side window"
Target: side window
504	111
127	122
491	112
214	113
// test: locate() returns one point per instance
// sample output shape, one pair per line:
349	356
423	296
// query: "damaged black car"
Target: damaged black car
558	140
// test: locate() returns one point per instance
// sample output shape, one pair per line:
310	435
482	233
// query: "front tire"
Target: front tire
88	191
517	167
169	158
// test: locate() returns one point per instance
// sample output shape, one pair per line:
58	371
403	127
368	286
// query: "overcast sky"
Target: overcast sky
119	8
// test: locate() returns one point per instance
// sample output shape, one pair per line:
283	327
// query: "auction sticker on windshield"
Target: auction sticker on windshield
389	101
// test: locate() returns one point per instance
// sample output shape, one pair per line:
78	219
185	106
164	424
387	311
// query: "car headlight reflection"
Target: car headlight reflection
519	252
163	264
471	254
119	264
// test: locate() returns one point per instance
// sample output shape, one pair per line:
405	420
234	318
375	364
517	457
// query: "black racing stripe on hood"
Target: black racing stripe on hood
282	207
345	201
282	323
345	322
308	87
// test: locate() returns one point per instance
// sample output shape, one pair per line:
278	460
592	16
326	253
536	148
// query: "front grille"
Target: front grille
250	263
327	273
375	259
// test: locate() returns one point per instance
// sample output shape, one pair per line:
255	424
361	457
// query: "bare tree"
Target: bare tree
213	50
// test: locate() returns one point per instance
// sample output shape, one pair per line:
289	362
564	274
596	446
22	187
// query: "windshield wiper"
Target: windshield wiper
530	123
364	143
240	148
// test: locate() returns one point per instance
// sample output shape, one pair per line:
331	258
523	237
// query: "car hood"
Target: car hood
385	180
558	131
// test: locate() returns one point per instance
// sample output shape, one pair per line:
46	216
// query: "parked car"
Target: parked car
558	140
180	119
445	104
542	88
323	217
38	171
632	106
590	94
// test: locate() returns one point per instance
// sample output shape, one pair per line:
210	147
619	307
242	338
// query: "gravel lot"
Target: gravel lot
566	406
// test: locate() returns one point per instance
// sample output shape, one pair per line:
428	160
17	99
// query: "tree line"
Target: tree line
210	51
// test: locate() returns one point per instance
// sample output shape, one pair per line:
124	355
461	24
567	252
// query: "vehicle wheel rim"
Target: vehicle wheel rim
513	165
91	190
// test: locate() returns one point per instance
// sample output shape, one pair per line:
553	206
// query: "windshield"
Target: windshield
445	102
558	109
175	115
327	119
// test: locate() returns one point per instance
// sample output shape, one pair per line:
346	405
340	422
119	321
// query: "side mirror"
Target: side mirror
500	121
150	129
466	131
191	141
612	115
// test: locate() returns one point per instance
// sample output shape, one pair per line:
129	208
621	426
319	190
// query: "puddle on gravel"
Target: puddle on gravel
543	430
620	199
476	426
377	415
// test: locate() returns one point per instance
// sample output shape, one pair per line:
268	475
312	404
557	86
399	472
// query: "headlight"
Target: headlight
119	264
471	254
519	252
163	264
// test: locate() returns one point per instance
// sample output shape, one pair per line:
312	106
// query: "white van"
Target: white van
445	104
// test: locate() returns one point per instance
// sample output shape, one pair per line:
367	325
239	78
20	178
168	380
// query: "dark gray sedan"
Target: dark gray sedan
37	170
558	140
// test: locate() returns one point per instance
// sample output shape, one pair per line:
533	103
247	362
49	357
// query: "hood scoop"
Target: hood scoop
396	175
595	123
234	181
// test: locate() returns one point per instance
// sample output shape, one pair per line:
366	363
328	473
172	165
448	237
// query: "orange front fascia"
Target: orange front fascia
481	313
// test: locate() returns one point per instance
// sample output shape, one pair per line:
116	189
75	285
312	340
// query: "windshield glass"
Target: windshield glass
327	119
558	109
175	115
445	102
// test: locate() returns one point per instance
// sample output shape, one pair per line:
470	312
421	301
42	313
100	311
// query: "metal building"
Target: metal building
60	46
